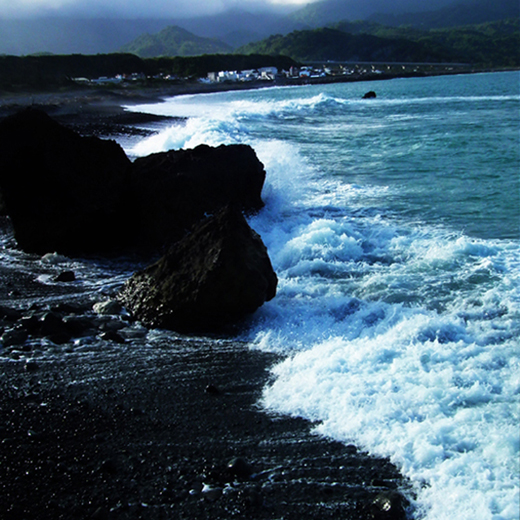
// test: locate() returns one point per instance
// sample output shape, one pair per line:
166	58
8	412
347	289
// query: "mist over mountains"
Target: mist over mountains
235	28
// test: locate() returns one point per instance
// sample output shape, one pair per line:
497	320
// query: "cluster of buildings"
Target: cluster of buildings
317	71
262	74
271	73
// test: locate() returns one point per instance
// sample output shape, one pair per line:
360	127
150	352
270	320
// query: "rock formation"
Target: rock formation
63	192
82	195
215	276
176	189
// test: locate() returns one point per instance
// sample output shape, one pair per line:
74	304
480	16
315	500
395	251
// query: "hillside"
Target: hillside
332	44
489	44
174	41
492	44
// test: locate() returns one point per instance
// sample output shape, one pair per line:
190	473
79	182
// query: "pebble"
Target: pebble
108	307
14	337
212	389
31	366
387	506
239	467
112	335
65	276
211	493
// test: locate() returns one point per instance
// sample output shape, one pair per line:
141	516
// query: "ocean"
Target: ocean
393	225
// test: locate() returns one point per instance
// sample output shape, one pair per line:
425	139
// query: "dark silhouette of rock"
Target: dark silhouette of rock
370	95
82	195
211	278
63	192
176	189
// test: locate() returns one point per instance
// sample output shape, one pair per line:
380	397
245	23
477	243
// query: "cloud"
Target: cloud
134	8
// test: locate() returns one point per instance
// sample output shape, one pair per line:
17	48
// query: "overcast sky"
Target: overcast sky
133	8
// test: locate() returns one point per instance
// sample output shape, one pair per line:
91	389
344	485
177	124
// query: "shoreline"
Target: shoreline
133	423
106	103
147	428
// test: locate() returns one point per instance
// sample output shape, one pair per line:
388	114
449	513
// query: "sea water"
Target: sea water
393	226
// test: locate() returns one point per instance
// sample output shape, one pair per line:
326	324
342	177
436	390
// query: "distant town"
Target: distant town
312	72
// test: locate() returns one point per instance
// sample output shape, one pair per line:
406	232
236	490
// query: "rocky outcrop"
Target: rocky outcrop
63	192
370	95
176	189
82	195
215	276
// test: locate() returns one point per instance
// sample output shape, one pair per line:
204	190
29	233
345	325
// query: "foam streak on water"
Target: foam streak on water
393	227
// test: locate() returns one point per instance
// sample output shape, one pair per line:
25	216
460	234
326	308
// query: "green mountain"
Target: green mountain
174	41
332	44
492	44
489	44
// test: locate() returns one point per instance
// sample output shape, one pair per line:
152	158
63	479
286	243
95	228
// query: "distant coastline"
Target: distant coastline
108	100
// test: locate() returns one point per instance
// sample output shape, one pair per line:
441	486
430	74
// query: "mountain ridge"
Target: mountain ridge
235	27
490	44
174	41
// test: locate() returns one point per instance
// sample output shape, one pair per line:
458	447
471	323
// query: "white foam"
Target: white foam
402	337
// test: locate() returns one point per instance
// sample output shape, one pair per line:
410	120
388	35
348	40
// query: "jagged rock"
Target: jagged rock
63	192
82	195
211	278
176	189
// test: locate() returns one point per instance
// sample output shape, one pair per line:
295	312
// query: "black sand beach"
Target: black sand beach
166	428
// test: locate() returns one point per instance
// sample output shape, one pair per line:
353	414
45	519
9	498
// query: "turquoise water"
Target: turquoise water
393	226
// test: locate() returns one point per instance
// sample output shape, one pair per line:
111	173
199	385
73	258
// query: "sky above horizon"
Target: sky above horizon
135	8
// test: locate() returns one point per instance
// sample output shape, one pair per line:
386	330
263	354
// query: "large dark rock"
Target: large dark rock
176	189
211	278
63	192
82	195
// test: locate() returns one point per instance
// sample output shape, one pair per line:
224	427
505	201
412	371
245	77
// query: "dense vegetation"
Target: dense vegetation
491	44
49	72
174	41
332	44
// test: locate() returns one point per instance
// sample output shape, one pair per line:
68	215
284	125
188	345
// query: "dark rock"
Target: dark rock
9	314
239	467
82	195
63	192
65	276
30	323
211	493
211	278
176	189
79	325
51	323
31	366
107	308
14	337
112	336
212	389
370	95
